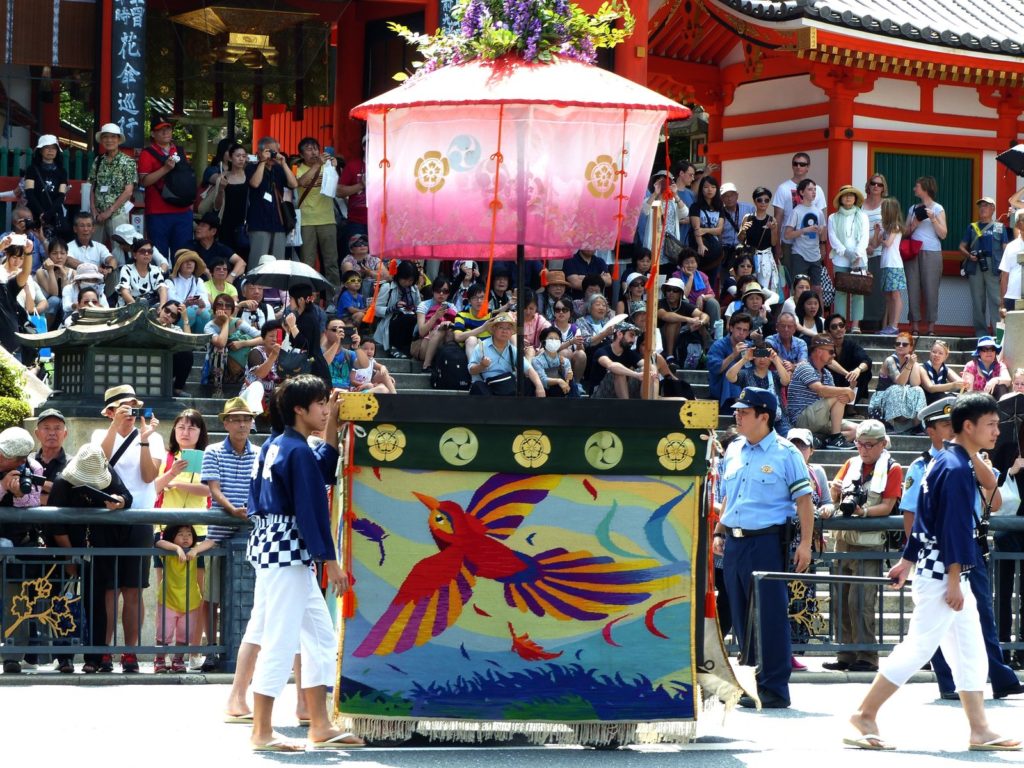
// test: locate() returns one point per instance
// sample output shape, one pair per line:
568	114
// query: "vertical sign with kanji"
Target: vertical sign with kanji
129	86
445	17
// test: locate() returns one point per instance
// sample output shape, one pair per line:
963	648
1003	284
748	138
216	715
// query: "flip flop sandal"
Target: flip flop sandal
869	741
336	742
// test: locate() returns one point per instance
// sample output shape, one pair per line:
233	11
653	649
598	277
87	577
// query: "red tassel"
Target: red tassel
393	267
544	278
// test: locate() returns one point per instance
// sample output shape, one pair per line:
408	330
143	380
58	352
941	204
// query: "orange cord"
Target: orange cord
622	197
371	311
495	206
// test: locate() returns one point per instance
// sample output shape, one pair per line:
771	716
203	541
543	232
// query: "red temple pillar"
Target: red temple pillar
348	80
842	87
1008	105
631	55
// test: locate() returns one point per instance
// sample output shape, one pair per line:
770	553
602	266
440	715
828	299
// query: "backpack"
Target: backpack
451	368
179	185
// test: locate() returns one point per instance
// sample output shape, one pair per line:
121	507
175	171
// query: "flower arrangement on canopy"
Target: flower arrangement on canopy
534	30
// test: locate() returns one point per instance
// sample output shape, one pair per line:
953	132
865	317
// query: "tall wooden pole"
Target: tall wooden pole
648	387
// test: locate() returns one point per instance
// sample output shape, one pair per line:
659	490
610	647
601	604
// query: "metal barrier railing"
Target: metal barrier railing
891	622
55	599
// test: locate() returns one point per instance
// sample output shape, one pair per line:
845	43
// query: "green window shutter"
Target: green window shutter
956	177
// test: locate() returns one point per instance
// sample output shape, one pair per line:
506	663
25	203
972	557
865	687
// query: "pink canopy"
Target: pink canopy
551	156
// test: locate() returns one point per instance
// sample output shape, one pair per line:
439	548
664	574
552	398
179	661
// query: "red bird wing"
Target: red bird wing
503	501
429	601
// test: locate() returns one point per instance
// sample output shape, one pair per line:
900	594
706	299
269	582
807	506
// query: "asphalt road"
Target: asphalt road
122	725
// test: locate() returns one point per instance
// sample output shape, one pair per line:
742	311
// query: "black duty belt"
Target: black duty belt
744	533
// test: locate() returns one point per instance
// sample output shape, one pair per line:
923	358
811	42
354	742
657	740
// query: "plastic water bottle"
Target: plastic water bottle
719	327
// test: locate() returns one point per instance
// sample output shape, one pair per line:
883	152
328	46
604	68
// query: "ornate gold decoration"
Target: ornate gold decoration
430	171
386	442
34	601
531	448
676	451
603	450
804	608
458	446
358	406
601	174
699	414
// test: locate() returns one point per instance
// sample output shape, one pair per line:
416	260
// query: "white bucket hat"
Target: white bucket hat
111	128
88	467
47	140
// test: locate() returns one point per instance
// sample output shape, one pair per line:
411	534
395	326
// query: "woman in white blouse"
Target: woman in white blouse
141	281
187	288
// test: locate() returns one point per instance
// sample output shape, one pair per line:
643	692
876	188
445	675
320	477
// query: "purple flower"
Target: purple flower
472	19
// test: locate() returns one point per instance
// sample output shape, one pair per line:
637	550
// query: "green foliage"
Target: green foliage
534	30
13	412
380	704
11	380
13	407
76	112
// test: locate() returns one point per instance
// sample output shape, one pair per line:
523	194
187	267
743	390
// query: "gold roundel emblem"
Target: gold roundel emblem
531	448
386	442
458	446
603	450
676	451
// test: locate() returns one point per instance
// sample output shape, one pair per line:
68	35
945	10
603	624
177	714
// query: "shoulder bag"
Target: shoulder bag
909	249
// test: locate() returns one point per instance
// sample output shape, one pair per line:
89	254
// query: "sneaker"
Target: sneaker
159	665
178	665
106	663
12	667
129	663
211	663
890	330
66	666
195	662
796	665
839	442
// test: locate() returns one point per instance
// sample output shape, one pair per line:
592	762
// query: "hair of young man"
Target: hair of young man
301	392
971	407
740	317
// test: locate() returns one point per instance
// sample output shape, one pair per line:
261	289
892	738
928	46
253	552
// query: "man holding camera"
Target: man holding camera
269	178
17	489
168	226
23	224
765	485
936	419
867	485
982	247
319	230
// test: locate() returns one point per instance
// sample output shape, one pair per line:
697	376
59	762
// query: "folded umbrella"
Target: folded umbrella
284	274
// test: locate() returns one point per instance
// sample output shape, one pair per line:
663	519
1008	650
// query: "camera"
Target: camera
982	258
853	496
273	154
26	480
762	352
981	536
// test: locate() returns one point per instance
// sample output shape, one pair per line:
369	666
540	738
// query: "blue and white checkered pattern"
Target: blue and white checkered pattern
275	542
929	559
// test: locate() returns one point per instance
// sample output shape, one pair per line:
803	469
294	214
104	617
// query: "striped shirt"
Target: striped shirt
232	470
799	392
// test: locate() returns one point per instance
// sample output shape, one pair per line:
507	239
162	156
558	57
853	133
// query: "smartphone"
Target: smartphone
147	413
21	240
253	158
96	493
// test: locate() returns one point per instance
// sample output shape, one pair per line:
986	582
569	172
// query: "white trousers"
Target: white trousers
294	617
934	624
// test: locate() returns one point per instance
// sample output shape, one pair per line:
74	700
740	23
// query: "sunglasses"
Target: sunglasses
902	343
798	278
836	326
800	164
171	314
878	184
442	290
762	199
561	309
144	250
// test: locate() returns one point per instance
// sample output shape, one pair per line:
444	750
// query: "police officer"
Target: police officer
765	484
936	420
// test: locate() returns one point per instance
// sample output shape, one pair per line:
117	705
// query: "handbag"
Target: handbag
672	248
909	249
857	283
828	288
293	363
1010	494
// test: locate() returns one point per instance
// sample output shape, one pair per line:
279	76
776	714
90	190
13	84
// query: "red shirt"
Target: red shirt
353	173
147	164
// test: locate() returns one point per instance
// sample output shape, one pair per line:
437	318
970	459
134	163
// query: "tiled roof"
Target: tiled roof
987	26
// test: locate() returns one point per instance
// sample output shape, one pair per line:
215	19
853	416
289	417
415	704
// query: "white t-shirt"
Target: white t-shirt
181	288
92	252
891	258
1009	265
69	296
786	197
924	231
127	467
806	245
874	217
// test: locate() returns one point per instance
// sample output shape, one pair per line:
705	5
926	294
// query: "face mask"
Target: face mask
552	345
